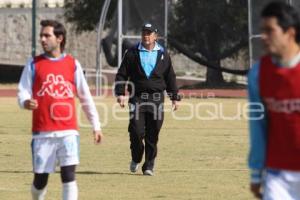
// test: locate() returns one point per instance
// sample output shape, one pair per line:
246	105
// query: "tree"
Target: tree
209	31
205	31
84	14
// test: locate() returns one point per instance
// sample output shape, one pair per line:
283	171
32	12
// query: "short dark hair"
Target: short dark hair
287	16
58	30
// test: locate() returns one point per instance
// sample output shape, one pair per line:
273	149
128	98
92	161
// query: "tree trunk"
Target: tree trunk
214	77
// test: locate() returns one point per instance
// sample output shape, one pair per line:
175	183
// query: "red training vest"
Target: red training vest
54	89
280	92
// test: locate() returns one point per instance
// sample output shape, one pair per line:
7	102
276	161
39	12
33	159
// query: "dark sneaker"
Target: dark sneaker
133	166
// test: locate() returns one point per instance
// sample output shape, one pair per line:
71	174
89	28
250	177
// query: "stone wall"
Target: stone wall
28	3
15	37
15	40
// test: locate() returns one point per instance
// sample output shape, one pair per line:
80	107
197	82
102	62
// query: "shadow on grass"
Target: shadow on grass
77	172
106	173
14	172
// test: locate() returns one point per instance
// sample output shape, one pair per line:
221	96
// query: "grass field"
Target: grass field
197	159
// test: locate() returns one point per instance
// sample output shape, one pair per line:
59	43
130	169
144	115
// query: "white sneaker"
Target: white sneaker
148	172
133	166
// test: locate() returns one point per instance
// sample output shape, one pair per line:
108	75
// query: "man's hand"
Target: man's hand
174	105
256	190
98	137
30	104
121	100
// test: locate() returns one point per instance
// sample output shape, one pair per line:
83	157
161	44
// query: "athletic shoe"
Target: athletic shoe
148	172
133	166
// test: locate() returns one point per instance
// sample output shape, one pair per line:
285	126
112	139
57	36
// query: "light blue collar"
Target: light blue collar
290	64
55	59
157	47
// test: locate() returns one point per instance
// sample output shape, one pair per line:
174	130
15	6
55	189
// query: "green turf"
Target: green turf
197	159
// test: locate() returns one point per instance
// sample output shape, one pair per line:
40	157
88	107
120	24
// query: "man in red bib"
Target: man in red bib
274	96
48	86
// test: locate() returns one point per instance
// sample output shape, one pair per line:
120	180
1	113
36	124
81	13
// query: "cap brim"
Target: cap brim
149	29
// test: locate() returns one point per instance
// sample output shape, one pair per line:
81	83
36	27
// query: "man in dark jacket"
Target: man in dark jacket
148	68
